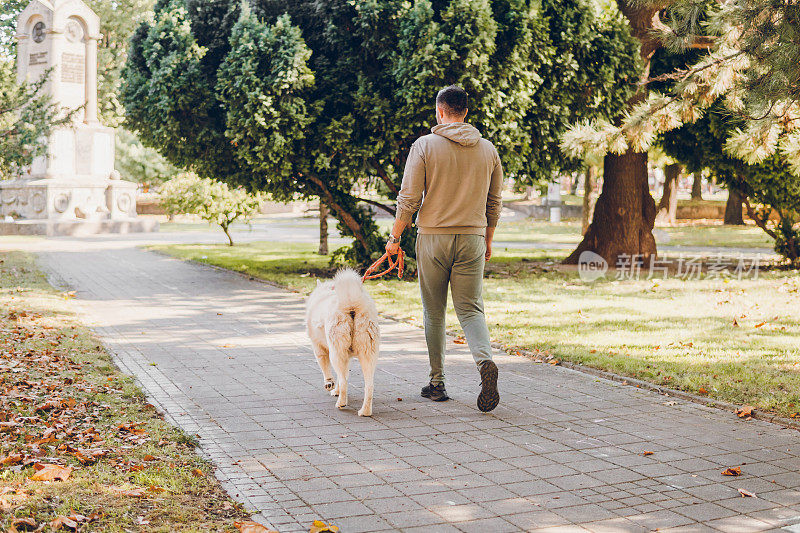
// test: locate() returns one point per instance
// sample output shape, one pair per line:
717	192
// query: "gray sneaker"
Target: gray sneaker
435	392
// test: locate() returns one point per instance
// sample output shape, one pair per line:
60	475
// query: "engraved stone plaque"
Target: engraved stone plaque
37	58
72	68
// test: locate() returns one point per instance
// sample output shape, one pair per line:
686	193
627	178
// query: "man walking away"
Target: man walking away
456	177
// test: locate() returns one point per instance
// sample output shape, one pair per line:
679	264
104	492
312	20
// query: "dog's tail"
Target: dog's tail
347	284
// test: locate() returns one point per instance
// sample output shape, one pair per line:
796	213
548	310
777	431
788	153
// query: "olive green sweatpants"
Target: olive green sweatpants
458	261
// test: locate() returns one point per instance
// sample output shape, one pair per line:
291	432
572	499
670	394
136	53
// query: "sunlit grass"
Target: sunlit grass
684	235
671	332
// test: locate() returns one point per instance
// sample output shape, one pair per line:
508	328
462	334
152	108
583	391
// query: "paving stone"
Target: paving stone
562	452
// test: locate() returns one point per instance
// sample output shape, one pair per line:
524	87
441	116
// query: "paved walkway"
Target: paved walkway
227	359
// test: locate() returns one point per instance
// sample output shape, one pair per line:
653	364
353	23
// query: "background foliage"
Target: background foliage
324	98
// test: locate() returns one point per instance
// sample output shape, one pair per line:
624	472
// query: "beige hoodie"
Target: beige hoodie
460	177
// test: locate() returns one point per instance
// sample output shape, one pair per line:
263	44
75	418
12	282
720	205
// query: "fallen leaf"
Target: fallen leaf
149	458
554	362
50	472
735	323
702	391
732	471
759	324
134	492
12	459
23	524
747	494
132	428
63	522
321	527
197	472
745	411
647	453
460	340
252	527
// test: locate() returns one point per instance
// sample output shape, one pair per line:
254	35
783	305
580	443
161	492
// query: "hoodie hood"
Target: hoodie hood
460	132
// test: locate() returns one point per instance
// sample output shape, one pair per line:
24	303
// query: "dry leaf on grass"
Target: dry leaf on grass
732	471
745	411
63	522
23	524
460	340
702	391
12	459
321	527
132	428
197	472
49	472
133	492
252	527
747	494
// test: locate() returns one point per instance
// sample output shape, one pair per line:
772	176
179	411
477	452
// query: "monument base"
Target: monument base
77	228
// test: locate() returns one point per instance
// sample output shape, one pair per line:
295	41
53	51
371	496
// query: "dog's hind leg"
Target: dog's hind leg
339	336
323	358
341	364
368	369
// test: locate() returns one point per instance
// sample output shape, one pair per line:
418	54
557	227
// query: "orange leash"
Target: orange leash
399	262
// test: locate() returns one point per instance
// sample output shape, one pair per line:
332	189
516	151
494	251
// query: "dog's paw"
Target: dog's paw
335	391
365	411
329	384
340	404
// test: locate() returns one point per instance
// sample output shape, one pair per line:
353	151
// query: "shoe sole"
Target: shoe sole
489	397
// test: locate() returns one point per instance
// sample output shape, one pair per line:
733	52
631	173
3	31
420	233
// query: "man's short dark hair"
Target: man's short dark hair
453	100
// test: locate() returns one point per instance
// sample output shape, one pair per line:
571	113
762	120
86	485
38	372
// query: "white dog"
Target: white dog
342	322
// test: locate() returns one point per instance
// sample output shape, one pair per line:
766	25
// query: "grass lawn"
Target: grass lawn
688	235
671	332
67	415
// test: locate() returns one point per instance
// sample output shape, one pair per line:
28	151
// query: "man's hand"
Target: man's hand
393	248
489	237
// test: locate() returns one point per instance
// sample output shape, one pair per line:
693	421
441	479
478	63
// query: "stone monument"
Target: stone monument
73	189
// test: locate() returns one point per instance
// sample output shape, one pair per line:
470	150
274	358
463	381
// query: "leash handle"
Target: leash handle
399	263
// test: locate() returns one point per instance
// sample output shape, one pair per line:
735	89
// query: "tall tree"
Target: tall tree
625	212
314	97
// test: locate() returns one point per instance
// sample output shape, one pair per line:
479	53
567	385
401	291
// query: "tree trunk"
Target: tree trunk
625	211
623	219
697	186
733	208
589	179
668	205
323	228
227	234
